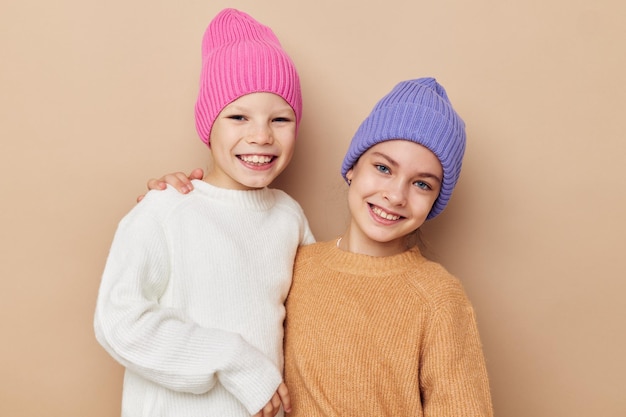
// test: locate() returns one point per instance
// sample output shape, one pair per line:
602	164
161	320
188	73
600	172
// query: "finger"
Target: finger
140	198
268	410
285	398
180	181
273	406
155	184
276	401
196	174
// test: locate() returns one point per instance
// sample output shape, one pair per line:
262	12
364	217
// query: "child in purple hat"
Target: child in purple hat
395	333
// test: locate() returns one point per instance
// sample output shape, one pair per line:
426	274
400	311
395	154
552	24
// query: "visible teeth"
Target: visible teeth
381	213
256	159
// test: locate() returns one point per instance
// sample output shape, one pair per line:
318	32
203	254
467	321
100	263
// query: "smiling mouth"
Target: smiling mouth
383	214
256	159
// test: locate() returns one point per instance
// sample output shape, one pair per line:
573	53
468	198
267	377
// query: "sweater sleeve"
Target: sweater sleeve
307	237
163	344
453	375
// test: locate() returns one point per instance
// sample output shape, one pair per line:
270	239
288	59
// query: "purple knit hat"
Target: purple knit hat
241	56
420	111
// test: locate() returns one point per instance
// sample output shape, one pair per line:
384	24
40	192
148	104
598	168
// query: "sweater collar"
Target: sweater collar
259	199
366	265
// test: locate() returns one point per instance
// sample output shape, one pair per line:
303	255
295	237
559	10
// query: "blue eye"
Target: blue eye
281	119
236	117
422	185
382	169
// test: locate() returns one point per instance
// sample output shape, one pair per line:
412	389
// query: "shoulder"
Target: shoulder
157	205
308	256
437	285
284	200
311	251
288	208
314	257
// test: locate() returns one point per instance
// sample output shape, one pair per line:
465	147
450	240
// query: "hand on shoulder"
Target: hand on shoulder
179	180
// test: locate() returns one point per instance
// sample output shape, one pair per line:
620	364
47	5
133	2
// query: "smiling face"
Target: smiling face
252	142
393	187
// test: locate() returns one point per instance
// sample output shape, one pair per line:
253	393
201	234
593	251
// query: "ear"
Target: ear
349	175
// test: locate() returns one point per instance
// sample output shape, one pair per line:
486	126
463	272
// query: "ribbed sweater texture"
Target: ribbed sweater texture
191	300
381	336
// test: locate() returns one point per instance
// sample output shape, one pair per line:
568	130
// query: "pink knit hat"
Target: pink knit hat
241	56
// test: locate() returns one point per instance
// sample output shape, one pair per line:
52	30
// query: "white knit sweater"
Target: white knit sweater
191	299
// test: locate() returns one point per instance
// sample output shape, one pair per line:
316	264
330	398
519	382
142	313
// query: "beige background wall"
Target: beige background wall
97	97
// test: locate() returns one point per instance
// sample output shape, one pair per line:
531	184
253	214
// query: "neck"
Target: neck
356	242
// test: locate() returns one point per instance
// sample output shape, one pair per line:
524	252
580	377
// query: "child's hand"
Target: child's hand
280	396
178	180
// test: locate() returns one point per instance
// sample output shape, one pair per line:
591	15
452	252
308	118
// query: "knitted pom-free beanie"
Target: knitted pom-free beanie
417	110
242	56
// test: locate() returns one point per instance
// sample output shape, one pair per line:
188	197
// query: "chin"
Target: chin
253	185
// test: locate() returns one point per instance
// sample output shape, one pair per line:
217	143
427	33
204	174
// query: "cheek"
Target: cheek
423	203
288	141
353	198
288	151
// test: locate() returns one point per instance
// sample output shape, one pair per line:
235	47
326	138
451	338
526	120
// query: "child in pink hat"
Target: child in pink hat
192	296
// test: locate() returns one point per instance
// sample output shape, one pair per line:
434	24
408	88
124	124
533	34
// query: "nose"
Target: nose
261	134
395	193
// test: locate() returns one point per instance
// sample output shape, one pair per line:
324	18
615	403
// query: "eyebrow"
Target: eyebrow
394	163
247	108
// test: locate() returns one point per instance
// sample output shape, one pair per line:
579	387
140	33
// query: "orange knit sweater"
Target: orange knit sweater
381	336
